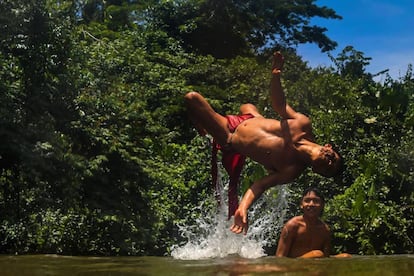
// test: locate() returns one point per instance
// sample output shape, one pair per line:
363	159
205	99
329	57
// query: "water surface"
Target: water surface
211	249
231	265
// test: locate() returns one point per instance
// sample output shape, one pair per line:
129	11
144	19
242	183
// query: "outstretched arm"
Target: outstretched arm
255	191
276	91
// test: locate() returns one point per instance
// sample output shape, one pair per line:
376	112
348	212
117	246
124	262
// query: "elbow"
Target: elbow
257	190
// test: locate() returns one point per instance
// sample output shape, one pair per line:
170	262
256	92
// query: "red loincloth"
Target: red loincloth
232	161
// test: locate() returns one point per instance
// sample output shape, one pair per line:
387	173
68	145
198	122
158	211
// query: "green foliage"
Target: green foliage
228	28
98	156
369	206
115	15
351	62
372	216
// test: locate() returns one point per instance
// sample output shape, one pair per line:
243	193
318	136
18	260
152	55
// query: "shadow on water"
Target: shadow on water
231	265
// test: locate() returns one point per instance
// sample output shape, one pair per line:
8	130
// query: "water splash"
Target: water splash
210	237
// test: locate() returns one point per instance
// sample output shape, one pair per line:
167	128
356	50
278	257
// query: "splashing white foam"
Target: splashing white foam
210	236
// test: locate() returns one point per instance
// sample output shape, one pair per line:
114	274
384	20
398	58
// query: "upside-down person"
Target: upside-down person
285	148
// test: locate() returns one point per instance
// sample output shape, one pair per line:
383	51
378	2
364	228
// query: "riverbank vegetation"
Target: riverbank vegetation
97	156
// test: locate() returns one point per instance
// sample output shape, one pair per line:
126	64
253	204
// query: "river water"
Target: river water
41	265
209	248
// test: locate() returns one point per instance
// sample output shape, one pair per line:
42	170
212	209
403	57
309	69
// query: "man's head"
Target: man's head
328	163
312	202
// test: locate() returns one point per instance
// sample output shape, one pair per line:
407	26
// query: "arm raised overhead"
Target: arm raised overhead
276	90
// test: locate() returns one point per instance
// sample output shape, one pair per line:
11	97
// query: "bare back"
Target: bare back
271	142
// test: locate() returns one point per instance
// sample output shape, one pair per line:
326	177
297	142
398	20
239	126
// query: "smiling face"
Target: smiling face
328	162
312	204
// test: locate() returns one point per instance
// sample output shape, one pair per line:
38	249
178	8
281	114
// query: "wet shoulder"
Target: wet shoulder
301	120
294	222
299	127
323	226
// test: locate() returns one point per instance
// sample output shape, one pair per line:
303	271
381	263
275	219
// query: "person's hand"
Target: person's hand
240	222
277	64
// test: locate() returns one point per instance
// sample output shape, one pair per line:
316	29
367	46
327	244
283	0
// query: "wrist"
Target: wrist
243	206
247	200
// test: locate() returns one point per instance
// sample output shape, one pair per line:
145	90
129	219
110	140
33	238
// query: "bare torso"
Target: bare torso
307	237
272	143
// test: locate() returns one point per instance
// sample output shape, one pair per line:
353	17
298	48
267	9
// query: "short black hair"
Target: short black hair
339	167
316	191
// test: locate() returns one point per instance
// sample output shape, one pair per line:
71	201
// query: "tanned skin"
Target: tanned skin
307	236
284	147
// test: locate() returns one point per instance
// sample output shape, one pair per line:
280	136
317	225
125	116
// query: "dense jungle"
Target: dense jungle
98	157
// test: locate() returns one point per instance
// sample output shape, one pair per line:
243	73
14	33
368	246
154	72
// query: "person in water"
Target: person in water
285	148
307	236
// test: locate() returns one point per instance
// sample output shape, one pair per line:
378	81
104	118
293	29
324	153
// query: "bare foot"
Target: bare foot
278	61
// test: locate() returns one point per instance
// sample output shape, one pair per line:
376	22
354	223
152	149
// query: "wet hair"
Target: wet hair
315	190
339	167
317	193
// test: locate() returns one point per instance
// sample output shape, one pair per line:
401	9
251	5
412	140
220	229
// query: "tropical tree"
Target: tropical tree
229	28
97	154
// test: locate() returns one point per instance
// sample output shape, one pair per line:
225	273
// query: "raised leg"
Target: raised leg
205	119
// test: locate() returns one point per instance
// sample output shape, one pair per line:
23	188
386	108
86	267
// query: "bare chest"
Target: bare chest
311	238
270	142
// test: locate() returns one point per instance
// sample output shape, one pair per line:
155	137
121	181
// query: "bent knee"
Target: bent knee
249	108
191	96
